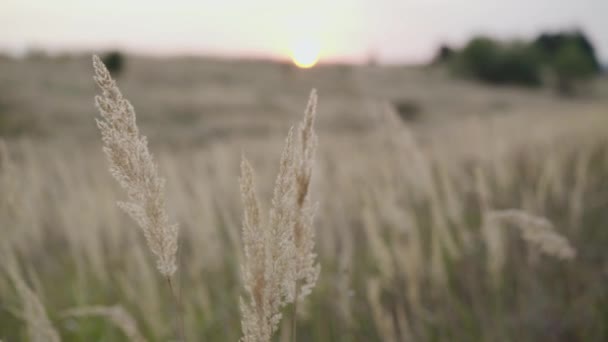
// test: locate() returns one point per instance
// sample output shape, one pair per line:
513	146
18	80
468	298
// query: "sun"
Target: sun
305	54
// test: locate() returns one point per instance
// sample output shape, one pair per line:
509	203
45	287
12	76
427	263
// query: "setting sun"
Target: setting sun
305	54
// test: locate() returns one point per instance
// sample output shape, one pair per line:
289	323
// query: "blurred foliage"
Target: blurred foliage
494	62
567	57
572	66
115	62
551	45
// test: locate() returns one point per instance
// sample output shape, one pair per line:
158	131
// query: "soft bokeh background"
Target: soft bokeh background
394	31
433	116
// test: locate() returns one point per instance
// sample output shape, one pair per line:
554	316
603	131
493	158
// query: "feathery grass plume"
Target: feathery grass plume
307	270
268	265
133	167
38	325
280	265
536	231
255	322
116	314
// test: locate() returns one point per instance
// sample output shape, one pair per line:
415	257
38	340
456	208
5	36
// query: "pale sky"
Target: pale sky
393	30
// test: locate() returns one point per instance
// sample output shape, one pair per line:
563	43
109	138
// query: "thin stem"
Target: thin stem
294	317
178	309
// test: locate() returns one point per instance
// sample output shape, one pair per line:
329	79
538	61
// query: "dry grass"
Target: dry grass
38	325
131	164
280	263
115	314
537	231
399	228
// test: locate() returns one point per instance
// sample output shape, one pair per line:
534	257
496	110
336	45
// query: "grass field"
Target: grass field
414	170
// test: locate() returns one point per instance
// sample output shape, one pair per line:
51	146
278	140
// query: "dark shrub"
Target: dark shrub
496	63
519	65
444	54
479	59
114	61
408	110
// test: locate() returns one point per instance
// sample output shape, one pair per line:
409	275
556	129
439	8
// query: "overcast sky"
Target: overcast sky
392	30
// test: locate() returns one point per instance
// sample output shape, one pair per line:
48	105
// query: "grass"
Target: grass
398	231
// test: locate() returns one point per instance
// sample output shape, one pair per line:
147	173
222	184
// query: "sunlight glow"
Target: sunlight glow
305	53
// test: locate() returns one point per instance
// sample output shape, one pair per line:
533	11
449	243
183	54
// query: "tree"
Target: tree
572	66
494	62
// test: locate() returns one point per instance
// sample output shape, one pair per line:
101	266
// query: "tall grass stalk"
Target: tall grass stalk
280	264
133	166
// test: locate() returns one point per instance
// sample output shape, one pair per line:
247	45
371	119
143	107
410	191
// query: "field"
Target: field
447	210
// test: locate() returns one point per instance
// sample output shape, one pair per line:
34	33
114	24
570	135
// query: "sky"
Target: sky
392	31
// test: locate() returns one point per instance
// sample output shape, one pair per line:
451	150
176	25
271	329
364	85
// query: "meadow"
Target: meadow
447	210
